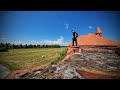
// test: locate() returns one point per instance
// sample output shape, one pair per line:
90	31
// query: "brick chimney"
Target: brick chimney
99	31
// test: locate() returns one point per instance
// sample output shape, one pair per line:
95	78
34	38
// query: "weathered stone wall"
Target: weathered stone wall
96	50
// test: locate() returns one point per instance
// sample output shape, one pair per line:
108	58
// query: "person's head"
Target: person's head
73	31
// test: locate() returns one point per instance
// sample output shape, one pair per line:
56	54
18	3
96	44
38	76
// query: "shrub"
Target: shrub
3	49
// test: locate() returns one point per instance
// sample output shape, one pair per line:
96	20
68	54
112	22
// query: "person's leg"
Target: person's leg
76	41
72	41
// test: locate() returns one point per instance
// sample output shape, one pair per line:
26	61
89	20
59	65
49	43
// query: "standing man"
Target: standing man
74	38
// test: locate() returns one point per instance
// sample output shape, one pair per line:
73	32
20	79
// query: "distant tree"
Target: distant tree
6	45
46	46
26	46
13	46
30	46
58	46
1	44
21	46
43	46
17	46
34	46
3	49
38	46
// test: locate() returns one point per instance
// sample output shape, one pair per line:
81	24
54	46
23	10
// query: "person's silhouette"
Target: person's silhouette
74	38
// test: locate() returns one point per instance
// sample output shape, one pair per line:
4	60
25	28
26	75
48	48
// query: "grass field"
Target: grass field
16	59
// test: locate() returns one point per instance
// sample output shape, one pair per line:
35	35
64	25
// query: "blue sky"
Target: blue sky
54	27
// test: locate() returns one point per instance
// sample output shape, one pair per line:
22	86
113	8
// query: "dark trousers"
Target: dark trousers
74	40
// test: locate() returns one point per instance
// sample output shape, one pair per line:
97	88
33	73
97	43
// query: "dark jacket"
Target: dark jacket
75	35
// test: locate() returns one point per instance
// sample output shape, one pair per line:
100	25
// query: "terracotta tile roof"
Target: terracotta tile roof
92	39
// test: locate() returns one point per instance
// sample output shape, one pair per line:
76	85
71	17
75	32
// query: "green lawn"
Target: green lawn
17	59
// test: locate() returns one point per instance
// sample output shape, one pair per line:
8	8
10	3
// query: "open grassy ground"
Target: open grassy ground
16	59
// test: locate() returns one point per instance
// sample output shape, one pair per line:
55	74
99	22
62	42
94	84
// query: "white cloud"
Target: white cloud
59	41
90	27
66	26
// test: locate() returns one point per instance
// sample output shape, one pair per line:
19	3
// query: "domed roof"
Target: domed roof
92	39
98	30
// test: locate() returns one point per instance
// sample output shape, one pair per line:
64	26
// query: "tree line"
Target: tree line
13	46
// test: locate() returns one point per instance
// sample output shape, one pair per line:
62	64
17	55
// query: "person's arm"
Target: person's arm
76	35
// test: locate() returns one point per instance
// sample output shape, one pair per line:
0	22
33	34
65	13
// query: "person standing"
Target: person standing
74	37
